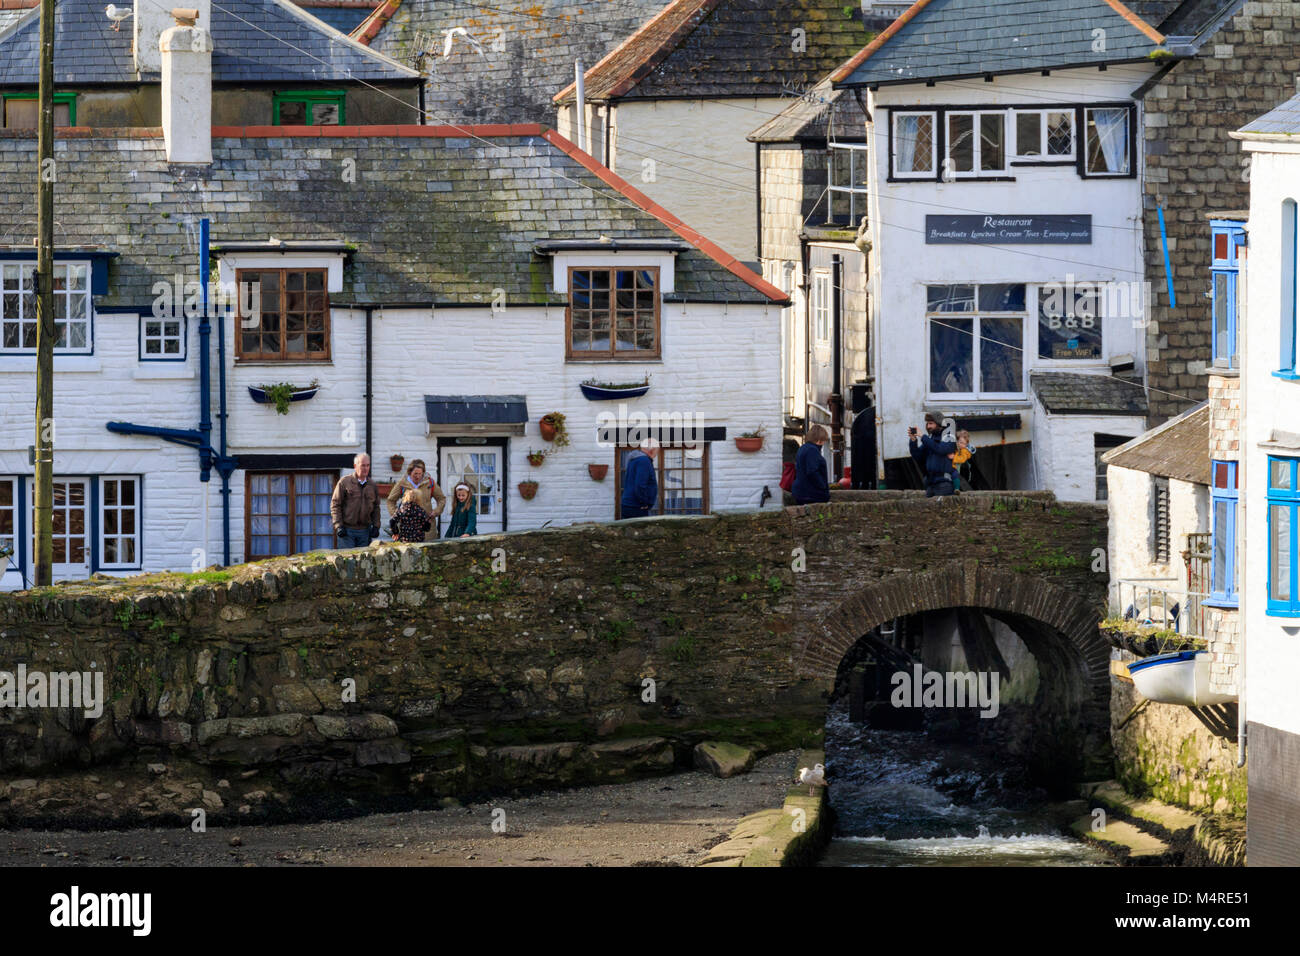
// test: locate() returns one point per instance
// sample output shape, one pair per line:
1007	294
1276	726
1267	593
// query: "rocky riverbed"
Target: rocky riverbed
660	821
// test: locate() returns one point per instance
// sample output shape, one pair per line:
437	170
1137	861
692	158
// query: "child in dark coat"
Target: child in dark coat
412	522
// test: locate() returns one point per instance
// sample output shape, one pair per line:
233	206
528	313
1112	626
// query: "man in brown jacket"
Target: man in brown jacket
354	507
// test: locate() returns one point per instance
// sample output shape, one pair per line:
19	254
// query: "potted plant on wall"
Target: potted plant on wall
527	489
597	472
553	428
395	462
281	394
535	458
751	441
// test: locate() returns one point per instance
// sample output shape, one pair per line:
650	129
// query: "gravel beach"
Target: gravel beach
660	821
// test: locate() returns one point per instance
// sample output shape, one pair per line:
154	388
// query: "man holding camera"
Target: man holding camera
931	453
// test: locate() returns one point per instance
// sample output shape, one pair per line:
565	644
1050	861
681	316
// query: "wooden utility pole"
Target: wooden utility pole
43	550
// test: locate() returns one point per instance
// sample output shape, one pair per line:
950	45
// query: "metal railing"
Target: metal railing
1159	602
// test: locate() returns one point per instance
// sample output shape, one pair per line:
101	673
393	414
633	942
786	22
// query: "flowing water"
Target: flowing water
905	798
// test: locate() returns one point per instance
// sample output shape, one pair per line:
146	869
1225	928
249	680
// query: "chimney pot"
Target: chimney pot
185	16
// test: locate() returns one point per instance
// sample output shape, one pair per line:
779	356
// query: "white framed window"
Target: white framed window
1043	135
9	518
976	144
71	307
847	189
162	339
821	306
119	522
976	340
914	145
1108	138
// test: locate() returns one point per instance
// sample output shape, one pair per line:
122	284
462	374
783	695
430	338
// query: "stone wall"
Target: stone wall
1166	752
469	679
511	58
1193	168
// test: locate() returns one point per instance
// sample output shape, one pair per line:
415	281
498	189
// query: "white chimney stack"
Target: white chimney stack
151	18
186	60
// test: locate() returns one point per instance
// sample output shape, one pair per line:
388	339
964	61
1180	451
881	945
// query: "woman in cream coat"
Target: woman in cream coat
426	491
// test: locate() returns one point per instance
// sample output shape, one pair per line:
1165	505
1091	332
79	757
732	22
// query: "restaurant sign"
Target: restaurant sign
1036	230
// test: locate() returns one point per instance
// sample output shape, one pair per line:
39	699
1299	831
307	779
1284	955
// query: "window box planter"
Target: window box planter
263	396
527	489
605	392
598	472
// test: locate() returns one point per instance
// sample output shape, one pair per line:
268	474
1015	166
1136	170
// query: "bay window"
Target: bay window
976	339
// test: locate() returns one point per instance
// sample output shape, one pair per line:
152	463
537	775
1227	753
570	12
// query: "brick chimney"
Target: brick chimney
151	18
186	59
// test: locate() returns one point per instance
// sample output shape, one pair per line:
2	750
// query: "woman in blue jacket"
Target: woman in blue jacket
810	484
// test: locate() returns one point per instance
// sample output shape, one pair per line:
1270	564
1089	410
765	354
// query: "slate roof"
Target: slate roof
716	48
947	39
1177	449
258	41
343	19
812	117
436	214
1283	120
1084	393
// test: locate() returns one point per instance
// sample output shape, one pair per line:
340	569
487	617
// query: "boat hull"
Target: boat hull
1179	678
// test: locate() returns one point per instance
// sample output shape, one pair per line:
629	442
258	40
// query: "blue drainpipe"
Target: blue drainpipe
201	440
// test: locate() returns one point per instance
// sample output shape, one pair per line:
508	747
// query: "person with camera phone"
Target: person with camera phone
931	453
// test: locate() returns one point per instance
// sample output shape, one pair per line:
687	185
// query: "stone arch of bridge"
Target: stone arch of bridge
1057	626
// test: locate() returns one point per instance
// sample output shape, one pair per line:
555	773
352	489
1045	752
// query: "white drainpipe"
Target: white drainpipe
580	105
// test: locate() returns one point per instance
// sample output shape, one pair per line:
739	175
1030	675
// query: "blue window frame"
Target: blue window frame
1290	292
1226	238
1283	499
1223	533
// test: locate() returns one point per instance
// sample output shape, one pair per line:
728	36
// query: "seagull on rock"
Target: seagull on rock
816	777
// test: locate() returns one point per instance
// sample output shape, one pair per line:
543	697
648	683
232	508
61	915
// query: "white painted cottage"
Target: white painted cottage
1269	487
430	292
1005	219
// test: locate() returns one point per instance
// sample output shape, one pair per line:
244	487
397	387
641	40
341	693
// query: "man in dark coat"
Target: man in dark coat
931	452
640	486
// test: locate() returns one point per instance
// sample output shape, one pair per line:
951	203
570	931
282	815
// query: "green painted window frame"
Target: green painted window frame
70	99
309	98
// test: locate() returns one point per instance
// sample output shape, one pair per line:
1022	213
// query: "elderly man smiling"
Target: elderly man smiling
354	507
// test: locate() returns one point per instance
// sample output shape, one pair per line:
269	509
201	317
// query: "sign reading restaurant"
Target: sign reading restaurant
1041	230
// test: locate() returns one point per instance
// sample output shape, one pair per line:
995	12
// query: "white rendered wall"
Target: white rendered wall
1067	458
1269	404
1129	549
903	264
703	163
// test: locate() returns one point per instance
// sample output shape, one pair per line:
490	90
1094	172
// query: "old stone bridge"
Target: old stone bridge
545	657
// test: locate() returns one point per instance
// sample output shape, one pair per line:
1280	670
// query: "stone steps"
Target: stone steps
1122	839
1202	839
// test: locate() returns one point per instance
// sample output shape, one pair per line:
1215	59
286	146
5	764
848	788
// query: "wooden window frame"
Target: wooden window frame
60	99
659	477
284	356
612	354
293	500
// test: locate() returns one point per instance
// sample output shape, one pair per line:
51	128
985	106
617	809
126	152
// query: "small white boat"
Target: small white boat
1182	677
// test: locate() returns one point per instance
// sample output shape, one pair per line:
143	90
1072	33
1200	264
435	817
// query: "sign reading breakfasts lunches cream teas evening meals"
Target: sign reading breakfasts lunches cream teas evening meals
1040	230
